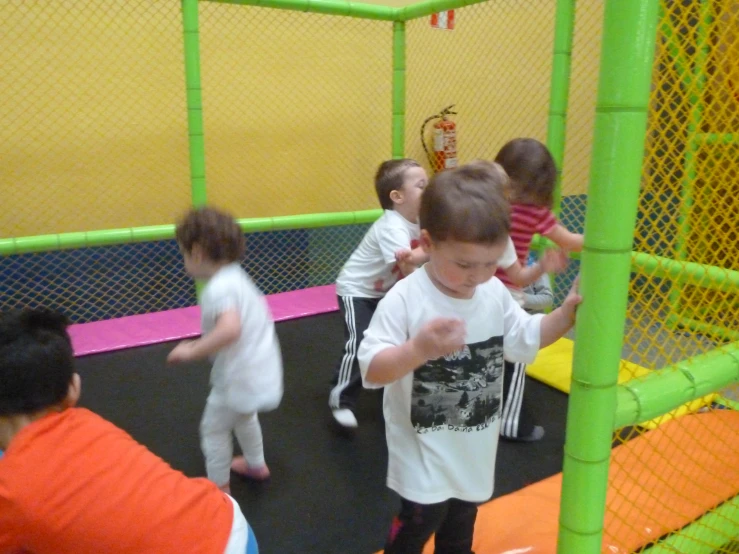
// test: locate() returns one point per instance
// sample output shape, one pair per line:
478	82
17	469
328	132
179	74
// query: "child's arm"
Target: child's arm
226	332
572	242
561	320
538	296
552	261
410	260
437	338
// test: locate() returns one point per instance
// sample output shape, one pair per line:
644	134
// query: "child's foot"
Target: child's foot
345	417
536	434
240	467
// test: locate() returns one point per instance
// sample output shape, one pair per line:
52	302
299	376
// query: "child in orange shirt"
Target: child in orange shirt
71	482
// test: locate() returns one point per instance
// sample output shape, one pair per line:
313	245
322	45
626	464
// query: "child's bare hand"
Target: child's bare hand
554	261
573	299
440	337
183	352
403	256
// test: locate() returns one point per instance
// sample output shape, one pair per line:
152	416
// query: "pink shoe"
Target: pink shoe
240	467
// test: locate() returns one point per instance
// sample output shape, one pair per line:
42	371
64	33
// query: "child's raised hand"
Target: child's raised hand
403	256
183	352
554	260
573	299
440	337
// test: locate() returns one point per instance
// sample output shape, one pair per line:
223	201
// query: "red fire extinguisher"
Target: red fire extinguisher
444	155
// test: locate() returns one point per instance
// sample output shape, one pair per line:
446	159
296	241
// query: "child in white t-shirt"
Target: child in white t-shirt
372	270
239	335
552	260
437	343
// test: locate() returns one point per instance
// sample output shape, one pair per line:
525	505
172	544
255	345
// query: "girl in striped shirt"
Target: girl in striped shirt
533	175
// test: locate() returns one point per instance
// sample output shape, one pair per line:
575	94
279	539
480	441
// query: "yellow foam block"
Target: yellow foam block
553	367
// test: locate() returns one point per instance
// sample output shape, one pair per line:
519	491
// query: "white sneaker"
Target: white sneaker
345	418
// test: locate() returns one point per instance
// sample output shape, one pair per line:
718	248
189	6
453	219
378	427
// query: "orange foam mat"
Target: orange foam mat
659	482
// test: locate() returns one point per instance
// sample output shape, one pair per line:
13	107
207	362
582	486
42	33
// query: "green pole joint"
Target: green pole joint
428	7
627	56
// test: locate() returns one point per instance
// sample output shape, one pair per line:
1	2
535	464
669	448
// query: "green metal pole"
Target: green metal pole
662	391
627	55
686	273
427	7
712	139
194	101
108	237
398	141
706	535
701	327
328	7
564	30
559	93
693	142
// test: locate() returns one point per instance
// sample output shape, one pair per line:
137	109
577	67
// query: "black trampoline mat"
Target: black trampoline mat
327	494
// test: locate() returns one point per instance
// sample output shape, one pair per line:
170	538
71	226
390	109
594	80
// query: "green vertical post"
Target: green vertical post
559	94
194	101
564	30
627	56
398	123
693	144
194	98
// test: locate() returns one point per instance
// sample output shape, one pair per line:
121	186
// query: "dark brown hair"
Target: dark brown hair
467	204
389	177
532	171
36	361
214	231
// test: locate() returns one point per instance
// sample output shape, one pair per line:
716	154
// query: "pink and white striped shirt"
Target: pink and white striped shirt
526	221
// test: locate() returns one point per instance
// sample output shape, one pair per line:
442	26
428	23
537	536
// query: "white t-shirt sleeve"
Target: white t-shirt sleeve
393	238
522	332
219	299
388	328
509	256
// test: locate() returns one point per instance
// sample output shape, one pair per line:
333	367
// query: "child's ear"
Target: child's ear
396	196
73	391
426	241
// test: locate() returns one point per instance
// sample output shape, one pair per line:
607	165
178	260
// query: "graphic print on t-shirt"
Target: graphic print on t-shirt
461	391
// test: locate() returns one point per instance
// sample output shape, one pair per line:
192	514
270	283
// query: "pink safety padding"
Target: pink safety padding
141	330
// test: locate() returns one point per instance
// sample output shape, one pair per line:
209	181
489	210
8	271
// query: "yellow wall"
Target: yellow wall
93	131
297	106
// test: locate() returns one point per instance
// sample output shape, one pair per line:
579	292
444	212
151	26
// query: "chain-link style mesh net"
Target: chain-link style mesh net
495	67
92	284
297	109
94	127
678	485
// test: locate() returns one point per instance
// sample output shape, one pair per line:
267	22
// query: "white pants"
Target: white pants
239	534
216	428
